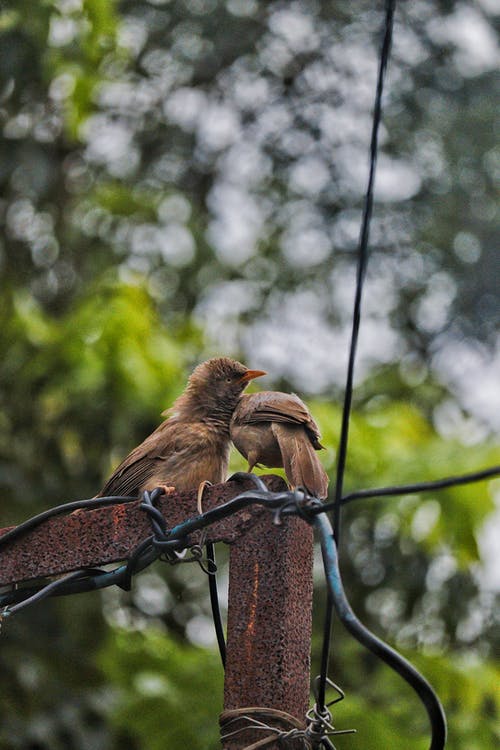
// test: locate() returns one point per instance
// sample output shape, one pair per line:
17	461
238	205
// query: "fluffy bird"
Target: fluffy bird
276	429
191	447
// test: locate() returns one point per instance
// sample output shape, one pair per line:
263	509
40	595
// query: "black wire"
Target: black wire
87	579
356	319
31	523
361	268
409	489
44	591
381	650
214	602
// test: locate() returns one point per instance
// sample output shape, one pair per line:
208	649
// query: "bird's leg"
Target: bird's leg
199	496
199	505
252	460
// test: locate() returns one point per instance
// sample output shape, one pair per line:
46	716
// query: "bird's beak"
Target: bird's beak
251	374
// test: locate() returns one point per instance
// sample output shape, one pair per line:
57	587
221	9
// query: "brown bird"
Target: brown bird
192	445
276	429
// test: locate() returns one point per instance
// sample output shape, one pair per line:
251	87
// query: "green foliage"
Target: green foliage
77	387
393	441
386	713
168	694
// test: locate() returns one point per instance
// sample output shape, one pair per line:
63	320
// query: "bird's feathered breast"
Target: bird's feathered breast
173	449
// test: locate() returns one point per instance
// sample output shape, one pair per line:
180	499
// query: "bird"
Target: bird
191	447
276	429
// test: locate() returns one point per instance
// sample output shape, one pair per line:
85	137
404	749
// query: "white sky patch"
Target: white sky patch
175	207
245	164
200	631
176	244
395	180
296	28
378	343
315	354
62	31
184	107
379	295
132	35
173	241
408	47
237	223
151	684
467	247
434	307
306	247
424	520
305	240
309	176
488	537
274	119
219	309
219	126
110	142
452	424
473	374
477	49
124	95
340	125
250	91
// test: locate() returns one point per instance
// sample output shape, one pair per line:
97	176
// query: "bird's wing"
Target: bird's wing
274	406
166	445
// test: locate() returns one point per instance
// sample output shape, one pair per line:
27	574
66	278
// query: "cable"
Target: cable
409	489
214	603
362	264
356	628
45	591
356	320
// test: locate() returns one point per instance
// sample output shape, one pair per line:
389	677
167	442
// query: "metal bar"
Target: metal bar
105	535
269	623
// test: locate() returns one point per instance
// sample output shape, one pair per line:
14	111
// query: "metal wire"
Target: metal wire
409	489
362	264
215	604
356	320
382	650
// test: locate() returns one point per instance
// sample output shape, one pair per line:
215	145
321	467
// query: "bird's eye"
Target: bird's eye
229	380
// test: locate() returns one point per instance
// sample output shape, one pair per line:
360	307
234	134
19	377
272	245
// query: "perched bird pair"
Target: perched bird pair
192	445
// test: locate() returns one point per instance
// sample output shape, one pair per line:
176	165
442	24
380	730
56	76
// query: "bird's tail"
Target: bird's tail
301	464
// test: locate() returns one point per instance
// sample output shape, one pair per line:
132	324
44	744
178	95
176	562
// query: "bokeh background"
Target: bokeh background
184	179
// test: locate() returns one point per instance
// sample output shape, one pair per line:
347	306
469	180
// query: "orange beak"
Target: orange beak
251	374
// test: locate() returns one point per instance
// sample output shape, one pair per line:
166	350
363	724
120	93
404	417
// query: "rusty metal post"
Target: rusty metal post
269	623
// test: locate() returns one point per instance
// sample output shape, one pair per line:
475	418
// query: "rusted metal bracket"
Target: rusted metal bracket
105	535
270	584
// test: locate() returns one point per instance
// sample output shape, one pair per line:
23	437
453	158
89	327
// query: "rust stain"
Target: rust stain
118	513
250	630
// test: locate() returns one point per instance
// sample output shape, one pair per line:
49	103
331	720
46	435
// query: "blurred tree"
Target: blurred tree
185	177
